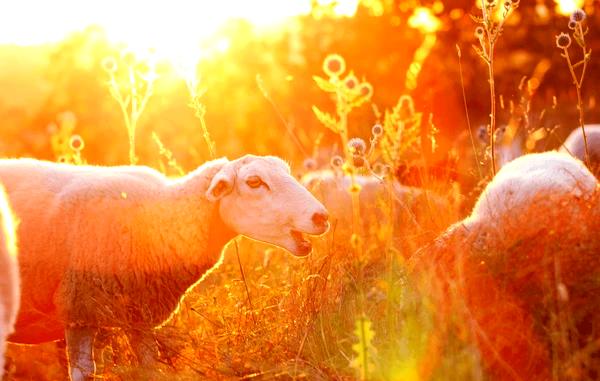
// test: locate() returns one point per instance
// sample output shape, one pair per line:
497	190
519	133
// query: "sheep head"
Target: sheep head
260	199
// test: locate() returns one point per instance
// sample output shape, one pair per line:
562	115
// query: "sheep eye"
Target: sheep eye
255	182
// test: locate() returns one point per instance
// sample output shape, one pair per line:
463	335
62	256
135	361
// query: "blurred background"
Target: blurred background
254	63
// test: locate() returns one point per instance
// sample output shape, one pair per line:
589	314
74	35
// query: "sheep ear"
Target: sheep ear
221	184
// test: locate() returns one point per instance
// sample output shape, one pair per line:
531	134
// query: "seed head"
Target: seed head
109	64
310	164
479	32
334	65
351	82
366	89
572	24
337	161
578	15
76	143
357	146
358	161
377	130
563	41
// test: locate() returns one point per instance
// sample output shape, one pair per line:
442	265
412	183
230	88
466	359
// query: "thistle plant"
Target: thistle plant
563	41
487	34
132	88
349	93
66	145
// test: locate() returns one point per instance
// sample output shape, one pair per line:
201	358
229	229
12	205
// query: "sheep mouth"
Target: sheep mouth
302	244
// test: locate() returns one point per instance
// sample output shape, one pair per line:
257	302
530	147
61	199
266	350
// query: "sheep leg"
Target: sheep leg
80	353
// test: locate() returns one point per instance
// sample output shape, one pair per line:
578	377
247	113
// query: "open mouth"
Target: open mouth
304	246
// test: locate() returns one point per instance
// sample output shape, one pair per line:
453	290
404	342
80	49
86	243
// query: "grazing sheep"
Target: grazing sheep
528	252
414	209
120	246
574	145
9	280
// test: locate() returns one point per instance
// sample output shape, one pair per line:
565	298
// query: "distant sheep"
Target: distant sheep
9	275
119	246
574	145
414	209
531	238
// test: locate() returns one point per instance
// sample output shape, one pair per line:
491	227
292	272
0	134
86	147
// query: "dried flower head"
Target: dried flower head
334	65
310	164
357	146
377	130
337	161
563	41
358	161
351	82
578	15
366	90
479	32
109	64
76	143
572	24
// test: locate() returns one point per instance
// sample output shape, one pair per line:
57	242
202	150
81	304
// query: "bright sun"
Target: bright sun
171	28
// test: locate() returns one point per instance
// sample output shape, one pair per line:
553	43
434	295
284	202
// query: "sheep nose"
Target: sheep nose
320	219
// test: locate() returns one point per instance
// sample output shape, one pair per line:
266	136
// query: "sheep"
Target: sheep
530	239
574	145
9	280
412	208
119	247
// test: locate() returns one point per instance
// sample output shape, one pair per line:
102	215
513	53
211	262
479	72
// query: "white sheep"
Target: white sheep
412	208
9	280
574	144
535	182
120	246
535	223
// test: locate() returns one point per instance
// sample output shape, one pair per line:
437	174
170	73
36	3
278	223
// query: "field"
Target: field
400	92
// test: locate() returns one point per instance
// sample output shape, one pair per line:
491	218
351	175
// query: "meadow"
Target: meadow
406	92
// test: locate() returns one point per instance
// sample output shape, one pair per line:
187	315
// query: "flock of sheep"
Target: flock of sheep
118	247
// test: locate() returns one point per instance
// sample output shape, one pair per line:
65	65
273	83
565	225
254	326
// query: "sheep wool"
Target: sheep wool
532	232
574	145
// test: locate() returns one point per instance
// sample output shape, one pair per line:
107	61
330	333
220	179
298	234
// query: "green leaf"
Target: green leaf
326	119
325	85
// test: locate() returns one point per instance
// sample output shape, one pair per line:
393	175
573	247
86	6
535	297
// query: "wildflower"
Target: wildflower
479	32
310	164
563	41
62	159
334	65
109	64
76	143
337	161
351	82
572	24
377	130
578	15
357	146
366	90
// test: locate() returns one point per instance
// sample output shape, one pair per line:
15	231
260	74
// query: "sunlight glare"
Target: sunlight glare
424	20
566	7
173	29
